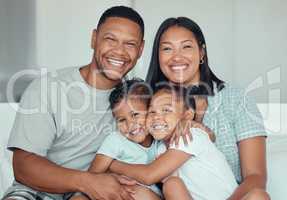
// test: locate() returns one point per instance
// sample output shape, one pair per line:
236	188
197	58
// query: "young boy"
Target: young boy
201	166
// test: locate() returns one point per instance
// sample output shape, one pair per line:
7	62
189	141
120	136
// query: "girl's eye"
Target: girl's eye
151	112
166	110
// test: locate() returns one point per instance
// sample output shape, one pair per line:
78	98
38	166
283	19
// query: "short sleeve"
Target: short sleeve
248	120
34	129
196	146
111	146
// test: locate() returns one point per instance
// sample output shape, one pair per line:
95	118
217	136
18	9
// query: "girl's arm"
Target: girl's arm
253	164
154	172
100	164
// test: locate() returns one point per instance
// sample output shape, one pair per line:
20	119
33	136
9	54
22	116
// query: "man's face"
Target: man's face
118	44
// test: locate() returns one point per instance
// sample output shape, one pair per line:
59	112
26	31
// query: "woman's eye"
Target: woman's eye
166	49
187	47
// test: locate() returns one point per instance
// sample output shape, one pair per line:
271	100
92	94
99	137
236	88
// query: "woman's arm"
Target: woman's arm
253	164
154	172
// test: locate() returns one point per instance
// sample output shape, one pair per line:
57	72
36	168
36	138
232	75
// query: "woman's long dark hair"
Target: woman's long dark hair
207	77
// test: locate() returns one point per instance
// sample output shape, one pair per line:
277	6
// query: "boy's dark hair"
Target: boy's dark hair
135	88
124	12
181	93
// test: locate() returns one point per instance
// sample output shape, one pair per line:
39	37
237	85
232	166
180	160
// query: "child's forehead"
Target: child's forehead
166	96
131	103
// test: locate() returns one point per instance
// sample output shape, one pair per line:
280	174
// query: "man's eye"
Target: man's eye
131	44
109	39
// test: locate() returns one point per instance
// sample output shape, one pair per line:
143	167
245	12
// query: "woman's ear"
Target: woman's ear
94	38
189	114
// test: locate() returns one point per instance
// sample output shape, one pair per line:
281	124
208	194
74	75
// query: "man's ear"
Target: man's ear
141	48
94	38
189	114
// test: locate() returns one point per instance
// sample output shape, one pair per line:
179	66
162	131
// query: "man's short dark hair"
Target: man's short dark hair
135	88
124	12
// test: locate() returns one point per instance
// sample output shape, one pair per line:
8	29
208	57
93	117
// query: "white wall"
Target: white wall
246	40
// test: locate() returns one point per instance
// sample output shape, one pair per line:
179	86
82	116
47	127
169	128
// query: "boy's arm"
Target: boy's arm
154	172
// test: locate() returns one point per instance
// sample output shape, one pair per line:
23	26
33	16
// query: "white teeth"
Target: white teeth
136	132
159	126
116	63
178	67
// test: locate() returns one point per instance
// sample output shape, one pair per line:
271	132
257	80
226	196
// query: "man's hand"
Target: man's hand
103	186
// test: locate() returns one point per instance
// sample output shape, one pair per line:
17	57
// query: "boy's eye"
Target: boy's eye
135	114
120	120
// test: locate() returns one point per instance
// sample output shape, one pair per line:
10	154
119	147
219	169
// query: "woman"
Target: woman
179	56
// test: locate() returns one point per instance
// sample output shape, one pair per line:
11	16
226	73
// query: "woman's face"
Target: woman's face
179	56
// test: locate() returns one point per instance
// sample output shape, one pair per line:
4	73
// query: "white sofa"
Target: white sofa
275	116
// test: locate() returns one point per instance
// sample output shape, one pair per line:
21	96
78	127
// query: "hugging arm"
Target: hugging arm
154	172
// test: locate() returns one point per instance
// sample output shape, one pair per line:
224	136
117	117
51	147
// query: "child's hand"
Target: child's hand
79	196
182	130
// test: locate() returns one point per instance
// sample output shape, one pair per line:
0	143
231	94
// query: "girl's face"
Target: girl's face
164	113
179	56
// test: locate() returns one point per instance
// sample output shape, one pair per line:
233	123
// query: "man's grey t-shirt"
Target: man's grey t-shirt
63	119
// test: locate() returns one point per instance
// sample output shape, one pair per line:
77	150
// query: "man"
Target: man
63	119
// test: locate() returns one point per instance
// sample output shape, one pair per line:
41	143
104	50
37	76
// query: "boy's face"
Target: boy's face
164	113
130	115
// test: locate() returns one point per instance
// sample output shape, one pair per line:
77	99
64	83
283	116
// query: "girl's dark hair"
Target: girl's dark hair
135	87
207	77
181	93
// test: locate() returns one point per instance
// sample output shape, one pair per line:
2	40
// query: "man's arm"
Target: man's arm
41	174
154	172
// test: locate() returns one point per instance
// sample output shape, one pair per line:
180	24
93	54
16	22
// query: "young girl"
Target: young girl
201	166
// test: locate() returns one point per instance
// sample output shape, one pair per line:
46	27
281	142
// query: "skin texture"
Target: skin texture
118	39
